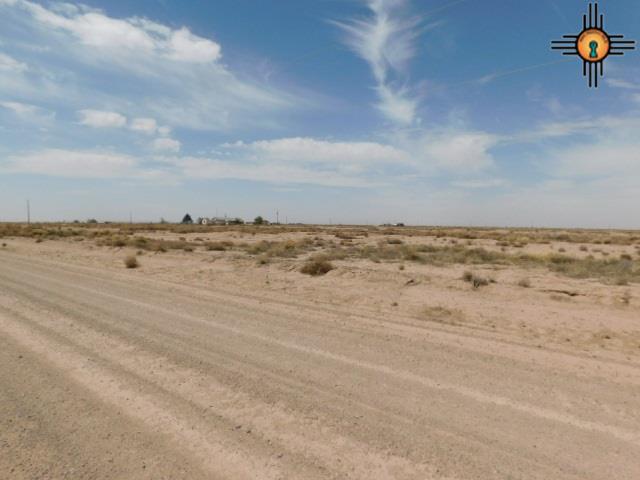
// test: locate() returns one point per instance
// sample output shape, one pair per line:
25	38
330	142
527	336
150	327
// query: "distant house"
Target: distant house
212	221
219	221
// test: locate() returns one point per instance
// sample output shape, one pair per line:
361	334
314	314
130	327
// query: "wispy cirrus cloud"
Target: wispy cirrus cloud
387	42
30	114
10	64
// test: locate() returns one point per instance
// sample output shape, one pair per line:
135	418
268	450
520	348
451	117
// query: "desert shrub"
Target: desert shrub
478	282
336	253
118	242
475	280
442	315
615	270
140	242
287	249
317	267
258	248
219	246
524	283
159	248
131	261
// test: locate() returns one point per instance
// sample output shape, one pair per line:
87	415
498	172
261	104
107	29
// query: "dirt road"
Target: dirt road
111	375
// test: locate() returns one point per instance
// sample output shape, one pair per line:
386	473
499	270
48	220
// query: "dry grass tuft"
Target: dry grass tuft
626	297
317	267
442	315
475	280
131	261
524	283
219	246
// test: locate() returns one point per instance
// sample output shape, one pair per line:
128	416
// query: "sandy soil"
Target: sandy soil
208	365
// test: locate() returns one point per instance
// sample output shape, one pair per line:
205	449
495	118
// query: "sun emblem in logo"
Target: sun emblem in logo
593	45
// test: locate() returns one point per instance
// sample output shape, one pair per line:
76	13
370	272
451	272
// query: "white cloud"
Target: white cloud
206	168
453	150
102	119
30	113
73	164
356	164
386	41
480	183
10	64
309	150
95	29
459	151
625	84
280	161
186	47
144	125
601	159
164	131
191	87
300	161
166	145
19	108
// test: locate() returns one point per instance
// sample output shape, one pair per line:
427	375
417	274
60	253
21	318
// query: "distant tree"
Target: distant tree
187	220
163	221
92	220
258	220
236	221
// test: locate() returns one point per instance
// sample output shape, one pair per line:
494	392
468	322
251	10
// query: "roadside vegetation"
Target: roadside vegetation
447	246
131	261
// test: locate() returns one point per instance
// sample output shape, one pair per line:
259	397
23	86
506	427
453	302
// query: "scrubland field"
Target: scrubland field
303	352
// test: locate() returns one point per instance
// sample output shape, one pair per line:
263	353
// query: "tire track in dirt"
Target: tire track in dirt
472	339
547	414
343	443
50	311
303	438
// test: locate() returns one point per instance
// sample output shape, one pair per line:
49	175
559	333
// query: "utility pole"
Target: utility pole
28	213
278	217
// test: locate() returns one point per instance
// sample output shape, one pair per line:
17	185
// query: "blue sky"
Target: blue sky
351	111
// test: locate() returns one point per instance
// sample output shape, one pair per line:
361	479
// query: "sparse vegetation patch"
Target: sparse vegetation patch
316	267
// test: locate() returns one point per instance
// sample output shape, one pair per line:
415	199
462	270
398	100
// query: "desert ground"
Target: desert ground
318	352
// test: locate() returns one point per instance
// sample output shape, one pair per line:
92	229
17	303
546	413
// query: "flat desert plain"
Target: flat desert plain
299	352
